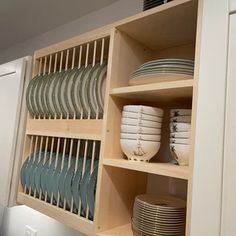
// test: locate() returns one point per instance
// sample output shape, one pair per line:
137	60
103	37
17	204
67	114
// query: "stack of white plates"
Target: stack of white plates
141	131
155	215
180	127
163	70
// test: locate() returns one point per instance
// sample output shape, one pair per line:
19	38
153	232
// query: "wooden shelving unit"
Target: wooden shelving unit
165	169
167	31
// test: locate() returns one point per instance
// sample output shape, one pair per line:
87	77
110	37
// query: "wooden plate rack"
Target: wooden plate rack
167	31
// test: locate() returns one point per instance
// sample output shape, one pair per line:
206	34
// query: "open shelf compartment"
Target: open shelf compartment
118	191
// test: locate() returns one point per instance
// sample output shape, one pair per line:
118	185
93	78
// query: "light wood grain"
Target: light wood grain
83	129
166	26
124	230
75	41
117	193
161	92
128	55
165	169
67	218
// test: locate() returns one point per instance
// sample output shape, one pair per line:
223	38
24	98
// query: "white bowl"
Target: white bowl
180	127
130	114
180	112
139	150
144	109
181	153
180	140
139	130
139	122
180	135
181	119
147	137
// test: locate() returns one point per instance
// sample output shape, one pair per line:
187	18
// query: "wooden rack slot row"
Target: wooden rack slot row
62	172
70	84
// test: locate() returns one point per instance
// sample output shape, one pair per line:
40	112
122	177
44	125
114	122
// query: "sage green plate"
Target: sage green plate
68	93
89	88
75	92
68	182
43	95
55	93
48	95
40	170
91	189
61	92
100	88
28	96
76	183
83	91
33	96
61	187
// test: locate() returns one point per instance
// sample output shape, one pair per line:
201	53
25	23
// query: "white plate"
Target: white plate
180	127
169	61
144	109
139	130
155	138
161	77
140	122
128	114
181	119
180	140
180	135
180	112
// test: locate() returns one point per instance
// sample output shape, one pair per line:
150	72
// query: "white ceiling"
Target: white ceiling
23	19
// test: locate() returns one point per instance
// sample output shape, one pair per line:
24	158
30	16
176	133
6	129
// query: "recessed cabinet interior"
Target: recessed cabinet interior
88	140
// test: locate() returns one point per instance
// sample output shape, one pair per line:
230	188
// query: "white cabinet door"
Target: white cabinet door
12	84
232	5
229	174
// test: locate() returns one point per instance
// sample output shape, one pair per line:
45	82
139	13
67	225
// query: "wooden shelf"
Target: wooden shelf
161	92
165	169
65	217
124	230
175	20
85	129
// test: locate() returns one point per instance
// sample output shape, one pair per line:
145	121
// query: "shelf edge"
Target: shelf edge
165	169
153	87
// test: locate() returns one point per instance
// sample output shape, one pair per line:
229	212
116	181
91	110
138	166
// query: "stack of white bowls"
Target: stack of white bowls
141	131
180	127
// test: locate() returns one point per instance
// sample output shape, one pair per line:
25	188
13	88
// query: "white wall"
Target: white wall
16	218
104	16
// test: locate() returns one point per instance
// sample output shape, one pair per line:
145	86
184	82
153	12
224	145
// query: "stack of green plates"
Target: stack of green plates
162	70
